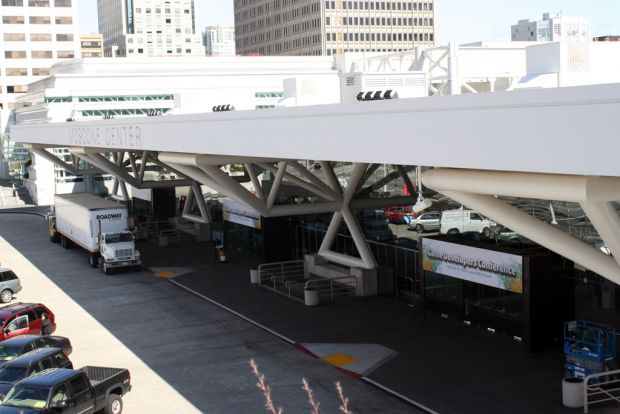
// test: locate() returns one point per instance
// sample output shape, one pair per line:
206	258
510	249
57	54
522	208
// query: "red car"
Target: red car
23	318
398	214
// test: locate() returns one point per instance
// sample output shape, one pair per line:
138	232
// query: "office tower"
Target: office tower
553	27
219	40
35	35
310	27
149	28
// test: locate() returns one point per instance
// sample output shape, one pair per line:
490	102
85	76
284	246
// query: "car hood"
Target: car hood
5	409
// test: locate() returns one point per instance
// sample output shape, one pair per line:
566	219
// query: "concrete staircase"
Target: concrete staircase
11	197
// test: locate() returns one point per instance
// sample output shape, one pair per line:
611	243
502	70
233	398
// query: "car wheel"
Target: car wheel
114	404
486	232
419	228
6	295
453	231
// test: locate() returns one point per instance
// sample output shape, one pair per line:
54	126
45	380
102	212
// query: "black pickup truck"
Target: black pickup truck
58	390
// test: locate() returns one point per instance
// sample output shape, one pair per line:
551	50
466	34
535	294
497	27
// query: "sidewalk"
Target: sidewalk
440	364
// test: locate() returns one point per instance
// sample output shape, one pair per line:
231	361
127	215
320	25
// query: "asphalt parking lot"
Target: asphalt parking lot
185	355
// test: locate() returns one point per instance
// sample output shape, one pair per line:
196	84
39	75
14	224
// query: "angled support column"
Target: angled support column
255	181
233	188
326	166
273	193
301	183
366	259
73	169
604	218
195	194
315	181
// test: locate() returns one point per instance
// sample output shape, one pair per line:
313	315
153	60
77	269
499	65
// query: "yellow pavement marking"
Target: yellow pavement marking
339	360
165	273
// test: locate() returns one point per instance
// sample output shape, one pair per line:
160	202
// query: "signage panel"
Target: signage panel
487	267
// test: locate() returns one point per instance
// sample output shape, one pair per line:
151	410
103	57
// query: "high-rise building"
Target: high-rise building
149	28
219	40
91	45
554	27
311	27
34	34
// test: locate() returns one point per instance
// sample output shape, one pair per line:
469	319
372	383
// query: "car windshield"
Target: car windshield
118	237
12	374
22	396
7	352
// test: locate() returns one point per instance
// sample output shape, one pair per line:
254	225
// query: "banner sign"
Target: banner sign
487	267
236	212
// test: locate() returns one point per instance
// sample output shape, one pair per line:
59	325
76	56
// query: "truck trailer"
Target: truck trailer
97	225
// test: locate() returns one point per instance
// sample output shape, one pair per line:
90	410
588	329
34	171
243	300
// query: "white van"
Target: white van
461	221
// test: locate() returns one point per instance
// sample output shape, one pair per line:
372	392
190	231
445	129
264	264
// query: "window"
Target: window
17	3
16	72
40	37
39	3
64	37
475	216
15	54
60	393
62	3
17	88
40	20
47	363
14	37
64	20
39	312
78	385
13	19
65	54
41	54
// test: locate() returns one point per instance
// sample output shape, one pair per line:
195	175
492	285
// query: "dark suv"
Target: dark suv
31	363
23	318
18	345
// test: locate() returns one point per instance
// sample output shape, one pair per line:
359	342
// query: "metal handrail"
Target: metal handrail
280	271
607	386
349	281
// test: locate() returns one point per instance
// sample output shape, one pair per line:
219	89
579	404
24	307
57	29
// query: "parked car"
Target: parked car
503	234
405	242
19	345
464	221
58	390
397	214
30	363
9	284
427	221
23	318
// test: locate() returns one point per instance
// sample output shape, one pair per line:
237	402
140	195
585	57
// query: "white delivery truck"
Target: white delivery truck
463	221
97	225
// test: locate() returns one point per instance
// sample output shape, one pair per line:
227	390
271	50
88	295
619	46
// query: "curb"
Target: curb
305	350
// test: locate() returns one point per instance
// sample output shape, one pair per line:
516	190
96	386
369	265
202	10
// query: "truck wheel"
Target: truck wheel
92	259
65	242
114	404
6	295
106	269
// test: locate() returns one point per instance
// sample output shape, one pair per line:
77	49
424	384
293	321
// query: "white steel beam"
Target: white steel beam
527	185
255	181
542	233
301	183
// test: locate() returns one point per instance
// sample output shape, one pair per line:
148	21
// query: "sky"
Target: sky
456	20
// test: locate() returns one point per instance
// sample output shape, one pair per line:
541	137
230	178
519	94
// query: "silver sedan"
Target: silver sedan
428	221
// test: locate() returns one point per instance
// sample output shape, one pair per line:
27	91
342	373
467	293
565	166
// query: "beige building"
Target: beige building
91	45
311	27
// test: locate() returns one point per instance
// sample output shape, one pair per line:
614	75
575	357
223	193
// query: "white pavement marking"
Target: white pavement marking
92	343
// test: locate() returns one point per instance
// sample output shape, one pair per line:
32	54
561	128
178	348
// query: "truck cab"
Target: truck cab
118	250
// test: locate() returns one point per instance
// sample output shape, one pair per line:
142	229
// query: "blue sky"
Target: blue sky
456	20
